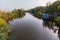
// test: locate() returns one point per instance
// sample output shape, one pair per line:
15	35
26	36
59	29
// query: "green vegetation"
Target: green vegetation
49	8
57	19
37	12
18	13
5	17
4	29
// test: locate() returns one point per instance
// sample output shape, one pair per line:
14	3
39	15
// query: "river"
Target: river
30	28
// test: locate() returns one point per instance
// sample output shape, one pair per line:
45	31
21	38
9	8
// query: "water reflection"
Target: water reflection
30	28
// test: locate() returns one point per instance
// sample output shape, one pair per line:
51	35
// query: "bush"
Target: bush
4	29
38	15
57	19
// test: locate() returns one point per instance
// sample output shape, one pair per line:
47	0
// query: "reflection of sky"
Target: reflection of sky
30	23
26	4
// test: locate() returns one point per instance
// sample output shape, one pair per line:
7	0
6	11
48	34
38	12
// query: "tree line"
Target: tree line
5	17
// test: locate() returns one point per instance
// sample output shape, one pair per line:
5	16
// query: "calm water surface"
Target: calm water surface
30	28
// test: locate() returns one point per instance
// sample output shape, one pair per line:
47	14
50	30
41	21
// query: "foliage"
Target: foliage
4	29
18	13
37	9
52	8
10	15
58	8
1	12
38	15
57	19
6	17
37	12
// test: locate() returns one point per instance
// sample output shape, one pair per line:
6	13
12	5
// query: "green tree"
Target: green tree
4	29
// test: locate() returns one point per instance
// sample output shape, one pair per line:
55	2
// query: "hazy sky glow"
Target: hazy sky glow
26	4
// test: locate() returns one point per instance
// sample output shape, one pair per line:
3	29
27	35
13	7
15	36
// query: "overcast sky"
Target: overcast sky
26	4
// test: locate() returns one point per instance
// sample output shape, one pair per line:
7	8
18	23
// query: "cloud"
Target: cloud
26	4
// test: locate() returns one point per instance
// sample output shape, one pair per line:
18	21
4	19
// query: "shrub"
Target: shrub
4	29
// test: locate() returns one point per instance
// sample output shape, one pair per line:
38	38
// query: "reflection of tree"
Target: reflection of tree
52	9
5	18
37	12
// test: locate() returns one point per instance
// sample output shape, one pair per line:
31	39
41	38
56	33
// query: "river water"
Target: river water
30	28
